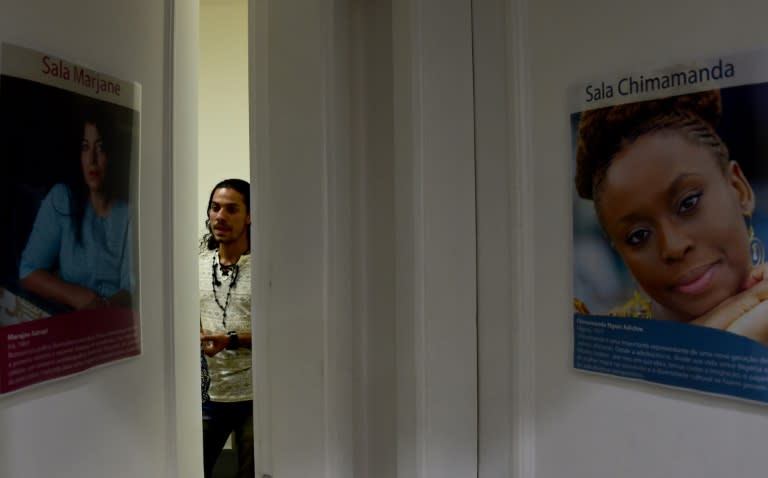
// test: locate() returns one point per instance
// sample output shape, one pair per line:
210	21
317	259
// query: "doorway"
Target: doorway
223	121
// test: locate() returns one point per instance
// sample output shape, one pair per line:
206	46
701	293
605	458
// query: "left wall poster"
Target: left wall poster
69	154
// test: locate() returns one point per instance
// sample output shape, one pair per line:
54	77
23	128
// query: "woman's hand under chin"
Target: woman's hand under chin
746	313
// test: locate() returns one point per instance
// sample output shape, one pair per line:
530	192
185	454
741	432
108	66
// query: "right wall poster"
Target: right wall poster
670	205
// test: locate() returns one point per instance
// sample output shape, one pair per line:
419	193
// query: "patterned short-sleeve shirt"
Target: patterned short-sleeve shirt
230	370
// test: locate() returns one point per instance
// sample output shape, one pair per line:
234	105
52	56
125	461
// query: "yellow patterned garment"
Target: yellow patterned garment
638	307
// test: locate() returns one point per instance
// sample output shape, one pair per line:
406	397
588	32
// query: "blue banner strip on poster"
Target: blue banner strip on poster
671	353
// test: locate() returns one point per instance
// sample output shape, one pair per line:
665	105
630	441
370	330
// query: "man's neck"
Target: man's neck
230	253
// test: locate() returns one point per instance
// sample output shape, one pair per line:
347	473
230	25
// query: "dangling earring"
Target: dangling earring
756	249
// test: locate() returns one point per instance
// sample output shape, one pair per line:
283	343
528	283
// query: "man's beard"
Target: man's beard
227	238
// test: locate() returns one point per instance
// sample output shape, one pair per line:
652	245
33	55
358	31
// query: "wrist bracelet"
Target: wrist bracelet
234	340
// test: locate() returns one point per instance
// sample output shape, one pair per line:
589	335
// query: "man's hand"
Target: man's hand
213	344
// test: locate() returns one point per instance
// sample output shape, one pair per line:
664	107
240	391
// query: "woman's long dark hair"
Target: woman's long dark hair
244	188
114	145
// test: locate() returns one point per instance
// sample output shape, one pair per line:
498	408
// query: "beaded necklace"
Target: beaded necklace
215	282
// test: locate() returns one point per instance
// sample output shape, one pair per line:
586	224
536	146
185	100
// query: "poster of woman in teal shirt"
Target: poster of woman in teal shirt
79	250
69	153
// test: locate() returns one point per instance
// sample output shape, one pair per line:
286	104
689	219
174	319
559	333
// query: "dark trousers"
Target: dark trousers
220	419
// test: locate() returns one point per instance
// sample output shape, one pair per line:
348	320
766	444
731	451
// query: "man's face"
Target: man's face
228	216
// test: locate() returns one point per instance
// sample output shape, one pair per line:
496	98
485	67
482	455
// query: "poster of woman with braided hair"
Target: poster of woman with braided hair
69	146
670	203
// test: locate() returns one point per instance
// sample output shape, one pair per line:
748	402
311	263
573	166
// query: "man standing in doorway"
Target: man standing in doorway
225	324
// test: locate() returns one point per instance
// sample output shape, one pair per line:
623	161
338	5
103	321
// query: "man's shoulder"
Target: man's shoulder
245	260
205	256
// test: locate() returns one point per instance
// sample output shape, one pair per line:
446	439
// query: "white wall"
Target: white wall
223	95
436	308
580	425
362	140
297	160
181	263
118	420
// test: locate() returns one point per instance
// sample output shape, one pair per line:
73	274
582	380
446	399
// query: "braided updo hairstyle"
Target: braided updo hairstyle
604	132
